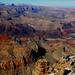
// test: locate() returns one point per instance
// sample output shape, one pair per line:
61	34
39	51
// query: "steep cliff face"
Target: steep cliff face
30	56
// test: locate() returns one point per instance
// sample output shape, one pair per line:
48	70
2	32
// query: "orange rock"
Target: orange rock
17	63
5	65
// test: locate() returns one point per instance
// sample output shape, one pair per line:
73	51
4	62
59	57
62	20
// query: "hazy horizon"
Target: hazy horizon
51	3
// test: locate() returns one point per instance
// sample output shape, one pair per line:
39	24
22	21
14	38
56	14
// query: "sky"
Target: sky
52	3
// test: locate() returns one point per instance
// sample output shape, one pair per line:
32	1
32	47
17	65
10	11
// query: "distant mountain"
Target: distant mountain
31	20
19	30
1	4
